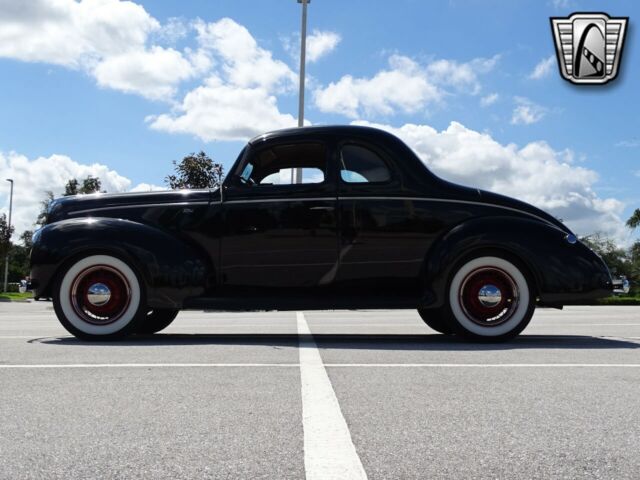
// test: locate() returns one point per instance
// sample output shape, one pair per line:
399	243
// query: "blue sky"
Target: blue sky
407	62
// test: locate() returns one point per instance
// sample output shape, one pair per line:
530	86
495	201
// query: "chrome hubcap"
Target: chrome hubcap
98	294
489	295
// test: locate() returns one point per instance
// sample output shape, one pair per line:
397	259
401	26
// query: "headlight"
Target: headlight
571	238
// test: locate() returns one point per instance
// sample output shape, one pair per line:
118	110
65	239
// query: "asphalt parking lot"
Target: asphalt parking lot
332	394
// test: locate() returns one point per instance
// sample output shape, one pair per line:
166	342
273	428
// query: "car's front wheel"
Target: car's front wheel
155	320
99	297
490	298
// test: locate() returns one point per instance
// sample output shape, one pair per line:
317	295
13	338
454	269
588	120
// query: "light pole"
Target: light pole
296	173
6	258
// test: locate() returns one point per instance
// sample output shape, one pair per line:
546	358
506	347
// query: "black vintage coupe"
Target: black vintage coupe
366	226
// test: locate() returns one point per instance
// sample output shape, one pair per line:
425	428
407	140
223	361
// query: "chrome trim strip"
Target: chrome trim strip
138	205
292	199
446	200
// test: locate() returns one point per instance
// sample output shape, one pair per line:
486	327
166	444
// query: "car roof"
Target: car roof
337	130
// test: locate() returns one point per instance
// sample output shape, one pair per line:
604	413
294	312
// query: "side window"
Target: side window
276	165
284	176
361	165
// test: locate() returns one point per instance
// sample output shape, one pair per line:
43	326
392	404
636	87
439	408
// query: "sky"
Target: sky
120	89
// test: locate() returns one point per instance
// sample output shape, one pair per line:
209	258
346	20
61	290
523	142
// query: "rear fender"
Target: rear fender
560	272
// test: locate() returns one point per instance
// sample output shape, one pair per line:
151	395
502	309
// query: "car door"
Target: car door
384	235
278	233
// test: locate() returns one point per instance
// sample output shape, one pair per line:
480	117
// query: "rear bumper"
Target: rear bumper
621	286
583	298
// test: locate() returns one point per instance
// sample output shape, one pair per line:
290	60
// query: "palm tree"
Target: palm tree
634	220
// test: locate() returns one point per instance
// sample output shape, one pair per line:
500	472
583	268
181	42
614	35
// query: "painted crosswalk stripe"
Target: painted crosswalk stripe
329	452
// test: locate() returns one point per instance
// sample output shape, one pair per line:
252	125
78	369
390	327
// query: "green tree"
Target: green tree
634	273
195	171
5	238
26	238
18	262
634	219
71	188
5	235
44	208
89	185
617	259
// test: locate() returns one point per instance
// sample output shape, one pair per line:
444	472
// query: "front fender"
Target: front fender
561	272
170	267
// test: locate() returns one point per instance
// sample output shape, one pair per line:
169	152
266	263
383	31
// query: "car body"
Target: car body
369	226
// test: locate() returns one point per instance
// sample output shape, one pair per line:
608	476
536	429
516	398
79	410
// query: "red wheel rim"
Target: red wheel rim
488	296
100	294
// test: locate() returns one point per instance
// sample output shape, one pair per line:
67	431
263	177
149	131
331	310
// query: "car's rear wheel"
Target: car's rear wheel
99	297
156	320
436	319
490	298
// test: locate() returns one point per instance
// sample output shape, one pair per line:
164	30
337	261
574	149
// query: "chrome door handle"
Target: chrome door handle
327	209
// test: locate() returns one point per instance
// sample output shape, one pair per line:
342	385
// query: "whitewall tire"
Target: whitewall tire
99	297
490	298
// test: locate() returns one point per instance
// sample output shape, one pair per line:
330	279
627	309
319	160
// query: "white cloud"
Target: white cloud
463	76
217	111
114	42
400	88
109	39
534	173
238	100
321	43
244	63
33	177
148	187
152	73
70	33
405	86
527	112
175	29
629	143
561	4
543	68
489	99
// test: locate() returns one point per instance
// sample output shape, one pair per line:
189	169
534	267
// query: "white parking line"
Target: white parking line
329	452
5	337
325	365
483	365
555	323
144	365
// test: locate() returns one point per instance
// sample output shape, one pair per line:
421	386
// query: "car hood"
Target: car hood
61	207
